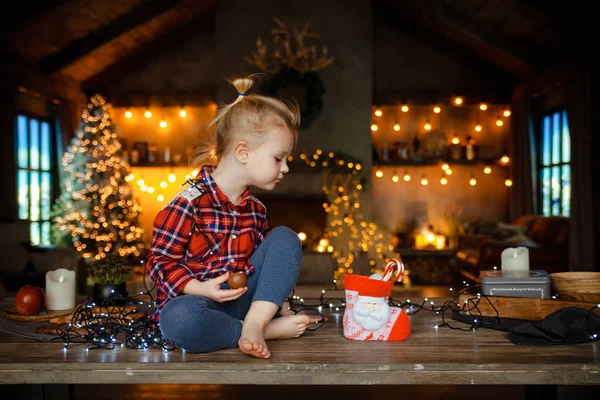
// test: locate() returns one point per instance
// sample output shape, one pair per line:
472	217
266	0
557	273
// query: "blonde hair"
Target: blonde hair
247	114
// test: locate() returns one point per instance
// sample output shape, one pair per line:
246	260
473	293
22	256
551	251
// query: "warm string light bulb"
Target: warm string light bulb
505	159
445	166
162	123
455	139
487	169
483	106
478	127
128	114
374	127
406	176
444	180
473	181
395	177
458	101
508	182
404	108
506	112
182	112
424	181
379	173
378	112
148	113
499	121
427	126
397	127
437	109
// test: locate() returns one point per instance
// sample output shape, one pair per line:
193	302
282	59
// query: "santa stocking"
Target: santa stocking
368	315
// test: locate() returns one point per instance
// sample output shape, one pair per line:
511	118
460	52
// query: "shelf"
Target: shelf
437	161
158	165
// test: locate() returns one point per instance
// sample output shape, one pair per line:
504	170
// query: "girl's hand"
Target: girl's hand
212	289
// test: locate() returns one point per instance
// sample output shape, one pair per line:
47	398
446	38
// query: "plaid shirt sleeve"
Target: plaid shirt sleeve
166	261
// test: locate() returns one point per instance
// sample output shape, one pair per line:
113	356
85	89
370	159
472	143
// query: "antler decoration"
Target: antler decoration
290	50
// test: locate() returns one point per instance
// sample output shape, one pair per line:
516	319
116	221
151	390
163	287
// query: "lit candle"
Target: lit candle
515	259
440	242
60	289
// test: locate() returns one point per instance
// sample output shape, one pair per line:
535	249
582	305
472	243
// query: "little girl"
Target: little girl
215	227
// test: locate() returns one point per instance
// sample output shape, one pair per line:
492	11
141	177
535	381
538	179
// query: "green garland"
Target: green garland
314	90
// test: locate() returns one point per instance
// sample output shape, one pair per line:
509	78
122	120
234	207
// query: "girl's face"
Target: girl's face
268	162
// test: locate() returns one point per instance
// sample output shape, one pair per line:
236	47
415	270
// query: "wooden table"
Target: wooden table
324	357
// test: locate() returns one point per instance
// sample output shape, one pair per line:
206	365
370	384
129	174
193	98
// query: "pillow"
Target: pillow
551	231
505	231
521	240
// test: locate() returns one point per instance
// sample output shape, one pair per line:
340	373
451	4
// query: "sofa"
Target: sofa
546	237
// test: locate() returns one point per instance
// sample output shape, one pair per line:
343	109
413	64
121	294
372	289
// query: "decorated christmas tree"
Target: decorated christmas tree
96	210
348	233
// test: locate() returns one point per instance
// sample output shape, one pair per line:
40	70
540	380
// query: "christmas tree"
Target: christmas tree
348	233
96	210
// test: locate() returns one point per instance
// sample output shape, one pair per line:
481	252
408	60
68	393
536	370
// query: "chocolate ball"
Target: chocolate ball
237	280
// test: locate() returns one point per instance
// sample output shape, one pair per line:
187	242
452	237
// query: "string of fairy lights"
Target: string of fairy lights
117	321
377	125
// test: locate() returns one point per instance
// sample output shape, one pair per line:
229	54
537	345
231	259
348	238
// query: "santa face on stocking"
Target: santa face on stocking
371	312
368	315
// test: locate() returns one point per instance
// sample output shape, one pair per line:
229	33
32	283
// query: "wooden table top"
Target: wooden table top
323	357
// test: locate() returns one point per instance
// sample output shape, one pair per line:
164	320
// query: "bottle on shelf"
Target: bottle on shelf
470	149
134	156
167	155
416	145
152	153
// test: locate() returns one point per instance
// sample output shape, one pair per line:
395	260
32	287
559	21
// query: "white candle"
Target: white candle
515	259
60	289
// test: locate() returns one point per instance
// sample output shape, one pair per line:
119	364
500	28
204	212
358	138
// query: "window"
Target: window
36	171
554	165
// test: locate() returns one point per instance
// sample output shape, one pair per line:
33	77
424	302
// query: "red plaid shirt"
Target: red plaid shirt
201	236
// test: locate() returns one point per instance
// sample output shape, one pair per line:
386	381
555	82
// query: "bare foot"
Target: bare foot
285	309
252	341
289	326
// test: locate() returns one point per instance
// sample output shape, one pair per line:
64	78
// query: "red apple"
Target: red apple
30	300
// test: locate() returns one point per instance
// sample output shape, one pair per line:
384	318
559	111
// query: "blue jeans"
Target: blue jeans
199	325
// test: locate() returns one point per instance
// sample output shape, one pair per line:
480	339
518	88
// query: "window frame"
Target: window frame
54	160
550	112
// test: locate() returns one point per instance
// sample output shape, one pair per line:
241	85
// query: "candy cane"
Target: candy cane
389	269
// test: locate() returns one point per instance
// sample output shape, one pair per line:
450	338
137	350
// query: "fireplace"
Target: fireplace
297	202
301	214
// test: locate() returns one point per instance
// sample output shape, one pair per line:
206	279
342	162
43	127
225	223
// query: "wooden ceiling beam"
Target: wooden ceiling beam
472	61
160	46
80	48
529	54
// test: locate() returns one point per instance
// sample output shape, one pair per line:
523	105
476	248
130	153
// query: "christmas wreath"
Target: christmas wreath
310	82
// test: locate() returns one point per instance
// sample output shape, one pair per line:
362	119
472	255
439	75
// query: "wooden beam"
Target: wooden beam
472	61
484	32
160	46
78	49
